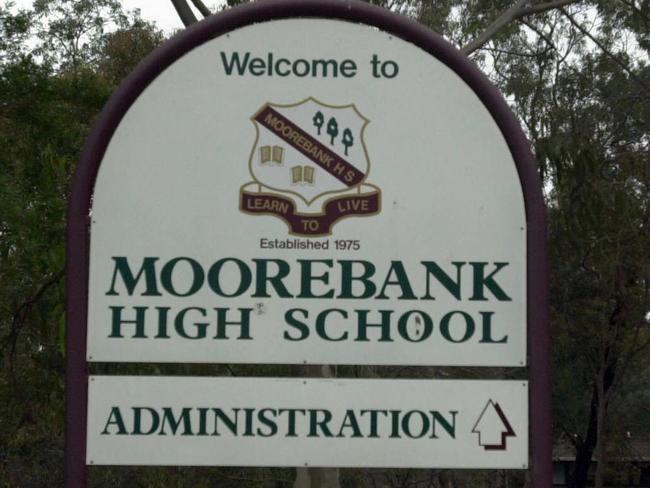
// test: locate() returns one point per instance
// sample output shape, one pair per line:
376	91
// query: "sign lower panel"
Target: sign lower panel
204	421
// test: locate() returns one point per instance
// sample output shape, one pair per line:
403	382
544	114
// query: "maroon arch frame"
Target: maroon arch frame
78	237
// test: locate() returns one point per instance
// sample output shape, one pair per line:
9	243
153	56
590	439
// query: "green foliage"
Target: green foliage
584	103
72	31
124	48
585	108
14	31
48	103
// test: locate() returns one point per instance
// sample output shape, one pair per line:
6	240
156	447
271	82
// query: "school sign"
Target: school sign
351	190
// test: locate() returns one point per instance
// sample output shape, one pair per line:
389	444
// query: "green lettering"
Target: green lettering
262	278
487	330
452	286
163	313
348	68
167	272
117	321
321	320
201	327
214	277
374	423
297	324
137	421
257	67
421	330
230	423
174	423
481	281
203	421
291	422
306	278
323	65
445	325
287	63
267	421
347	279
406	424
130	282
244	323
248	422
401	280
363	325
449	426
234	62
350	422
115	418
394	430
322	424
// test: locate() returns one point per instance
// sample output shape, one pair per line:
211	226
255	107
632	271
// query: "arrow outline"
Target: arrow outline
504	435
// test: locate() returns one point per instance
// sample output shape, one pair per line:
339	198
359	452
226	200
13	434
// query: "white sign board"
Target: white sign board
307	422
302	201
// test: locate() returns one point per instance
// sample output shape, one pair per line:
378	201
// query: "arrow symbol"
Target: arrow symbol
493	428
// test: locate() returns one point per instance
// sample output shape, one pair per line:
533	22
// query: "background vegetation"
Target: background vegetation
575	73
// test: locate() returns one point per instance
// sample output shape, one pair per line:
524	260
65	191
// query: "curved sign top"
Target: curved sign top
308	190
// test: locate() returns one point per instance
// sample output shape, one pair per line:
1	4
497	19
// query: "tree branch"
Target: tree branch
184	12
512	53
200	6
504	19
637	11
20	315
544	7
541	35
604	49
517	11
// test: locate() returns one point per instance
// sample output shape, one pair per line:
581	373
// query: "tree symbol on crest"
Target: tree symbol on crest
348	140
332	129
318	120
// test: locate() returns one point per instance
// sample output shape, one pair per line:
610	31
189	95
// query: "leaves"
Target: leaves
47	105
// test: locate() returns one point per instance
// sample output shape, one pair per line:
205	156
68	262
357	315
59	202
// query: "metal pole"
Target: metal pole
317	477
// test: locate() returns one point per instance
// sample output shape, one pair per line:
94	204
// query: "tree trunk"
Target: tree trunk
600	439
585	451
317	477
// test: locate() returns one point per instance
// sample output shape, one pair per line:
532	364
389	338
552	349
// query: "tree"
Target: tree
600	231
583	101
318	120
14	32
123	49
48	101
72	32
348	140
332	129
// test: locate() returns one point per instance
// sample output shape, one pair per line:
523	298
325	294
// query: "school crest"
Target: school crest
309	166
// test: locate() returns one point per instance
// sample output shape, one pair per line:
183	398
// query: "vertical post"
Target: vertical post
317	477
76	369
76	373
539	347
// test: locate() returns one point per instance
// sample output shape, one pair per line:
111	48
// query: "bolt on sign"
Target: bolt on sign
307	182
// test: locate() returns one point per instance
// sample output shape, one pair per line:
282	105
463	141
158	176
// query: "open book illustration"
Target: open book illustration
271	155
301	175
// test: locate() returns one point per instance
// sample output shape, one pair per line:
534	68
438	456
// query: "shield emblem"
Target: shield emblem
309	149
